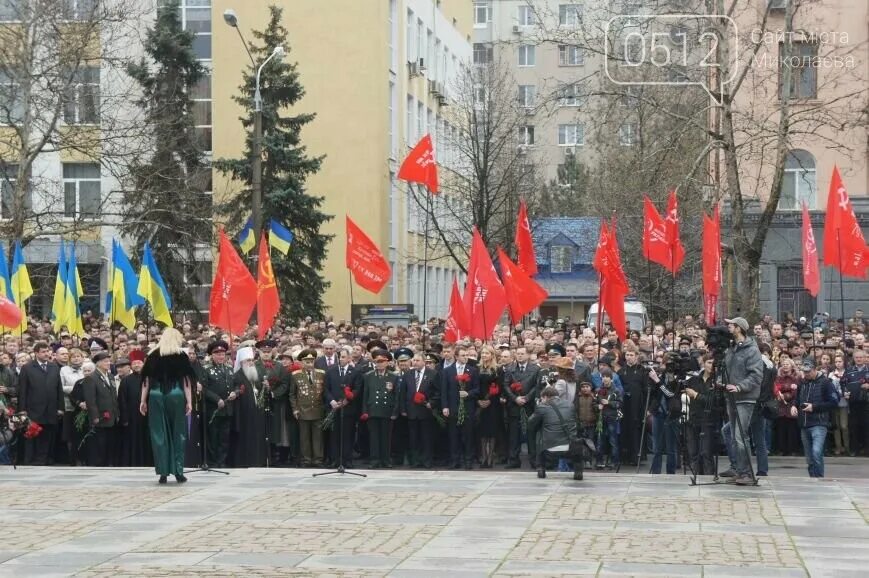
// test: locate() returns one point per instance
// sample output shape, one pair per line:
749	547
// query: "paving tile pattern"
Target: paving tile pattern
375	503
90	499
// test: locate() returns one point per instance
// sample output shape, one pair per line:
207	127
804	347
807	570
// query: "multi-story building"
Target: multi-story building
375	75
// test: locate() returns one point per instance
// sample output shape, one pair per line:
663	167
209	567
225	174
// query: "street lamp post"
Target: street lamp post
231	19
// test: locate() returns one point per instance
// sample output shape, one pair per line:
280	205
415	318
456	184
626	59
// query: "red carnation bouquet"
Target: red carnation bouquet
516	387
463	378
419	398
348	393
107	415
363	417
33	430
494	390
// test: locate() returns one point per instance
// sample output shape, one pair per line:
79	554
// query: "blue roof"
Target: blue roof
582	232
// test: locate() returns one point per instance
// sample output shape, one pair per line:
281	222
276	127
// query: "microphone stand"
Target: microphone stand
340	469
204	467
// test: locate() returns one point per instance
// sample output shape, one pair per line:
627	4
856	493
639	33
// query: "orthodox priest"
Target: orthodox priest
135	441
249	446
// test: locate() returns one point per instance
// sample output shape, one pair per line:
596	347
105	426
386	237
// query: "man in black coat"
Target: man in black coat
459	389
102	406
418	410
136	441
527	376
635	382
339	376
40	396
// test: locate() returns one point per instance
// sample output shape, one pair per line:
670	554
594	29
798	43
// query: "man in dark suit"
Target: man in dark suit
527	376
40	395
418	410
339	376
329	357
460	386
102	404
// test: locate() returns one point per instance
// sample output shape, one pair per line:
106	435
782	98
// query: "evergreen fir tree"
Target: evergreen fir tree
285	169
166	205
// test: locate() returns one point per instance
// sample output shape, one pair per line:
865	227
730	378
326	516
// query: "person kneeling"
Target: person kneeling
554	418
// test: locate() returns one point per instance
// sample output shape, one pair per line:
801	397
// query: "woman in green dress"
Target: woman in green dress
167	381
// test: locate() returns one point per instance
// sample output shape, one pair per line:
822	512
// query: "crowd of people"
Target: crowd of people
319	393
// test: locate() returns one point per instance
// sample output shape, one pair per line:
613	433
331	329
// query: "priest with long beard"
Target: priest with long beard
249	429
135	439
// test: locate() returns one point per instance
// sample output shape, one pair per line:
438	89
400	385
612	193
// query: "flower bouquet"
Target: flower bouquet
463	380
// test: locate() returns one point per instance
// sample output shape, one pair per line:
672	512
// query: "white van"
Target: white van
635	314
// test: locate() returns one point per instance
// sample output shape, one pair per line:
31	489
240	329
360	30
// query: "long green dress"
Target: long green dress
167	421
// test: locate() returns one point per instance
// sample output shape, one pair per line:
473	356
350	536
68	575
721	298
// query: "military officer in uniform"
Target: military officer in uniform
400	433
219	398
380	407
306	398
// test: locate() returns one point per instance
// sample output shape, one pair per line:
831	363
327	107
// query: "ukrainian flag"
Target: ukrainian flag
152	288
280	237
21	287
122	298
72	294
57	307
246	239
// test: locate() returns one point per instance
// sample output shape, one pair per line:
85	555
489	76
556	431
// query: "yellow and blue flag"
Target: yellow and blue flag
152	288
122	298
5	279
72	311
22	290
280	237
58	311
246	239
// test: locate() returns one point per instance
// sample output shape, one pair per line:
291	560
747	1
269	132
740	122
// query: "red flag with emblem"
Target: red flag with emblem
420	165
613	284
811	274
844	245
484	297
268	302
655	246
370	268
677	251
525	257
524	294
457	319
233	292
711	252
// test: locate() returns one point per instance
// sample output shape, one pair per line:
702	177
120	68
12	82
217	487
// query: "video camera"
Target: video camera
678	363
718	341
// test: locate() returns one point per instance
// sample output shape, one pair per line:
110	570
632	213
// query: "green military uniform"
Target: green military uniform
380	405
306	399
217	385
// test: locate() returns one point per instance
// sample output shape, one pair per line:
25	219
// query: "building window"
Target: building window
571	135
200	97
799	182
10	10
79	10
81	190
196	18
570	15
8	179
526	135
482	14
525	15
526	55
82	104
11	103
560	259
792	296
628	134
482	53
527	95
410	34
569	55
570	95
803	68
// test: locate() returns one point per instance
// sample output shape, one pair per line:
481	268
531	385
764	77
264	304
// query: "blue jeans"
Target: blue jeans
610	433
814	439
664	437
758	438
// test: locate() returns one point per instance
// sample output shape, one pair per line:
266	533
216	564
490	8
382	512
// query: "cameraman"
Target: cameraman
745	374
702	419
665	407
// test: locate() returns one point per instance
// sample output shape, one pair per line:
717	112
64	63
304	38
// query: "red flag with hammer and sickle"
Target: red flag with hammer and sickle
420	165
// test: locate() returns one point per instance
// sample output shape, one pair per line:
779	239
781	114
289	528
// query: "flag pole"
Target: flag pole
425	270
20	306
841	283
350	274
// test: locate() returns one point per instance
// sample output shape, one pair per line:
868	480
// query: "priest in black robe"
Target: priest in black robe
248	447
135	438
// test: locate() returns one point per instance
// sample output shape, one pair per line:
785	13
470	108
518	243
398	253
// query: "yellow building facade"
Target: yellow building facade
367	68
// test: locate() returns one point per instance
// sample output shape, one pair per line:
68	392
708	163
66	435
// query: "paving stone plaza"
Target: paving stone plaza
278	522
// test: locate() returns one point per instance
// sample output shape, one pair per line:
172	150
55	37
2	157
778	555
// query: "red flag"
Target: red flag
525	256
677	256
484	297
420	165
655	246
524	294
711	264
234	291
370	269
614	284
268	302
457	318
10	314
811	275
842	233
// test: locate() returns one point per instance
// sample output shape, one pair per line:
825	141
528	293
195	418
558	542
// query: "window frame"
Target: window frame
529	12
628	134
578	134
570	15
524	90
530	52
76	97
565	49
564	260
526	131
487	8
77	181
799	172
8	179
484	49
801	72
